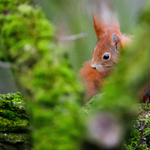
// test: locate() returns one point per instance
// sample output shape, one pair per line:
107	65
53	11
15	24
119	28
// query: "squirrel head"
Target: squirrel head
106	52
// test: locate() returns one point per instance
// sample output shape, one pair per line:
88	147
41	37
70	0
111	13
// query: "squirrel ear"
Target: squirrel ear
115	39
98	27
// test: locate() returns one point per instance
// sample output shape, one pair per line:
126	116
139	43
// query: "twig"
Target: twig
141	136
146	135
73	37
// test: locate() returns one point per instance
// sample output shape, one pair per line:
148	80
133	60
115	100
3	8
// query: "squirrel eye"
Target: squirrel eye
106	56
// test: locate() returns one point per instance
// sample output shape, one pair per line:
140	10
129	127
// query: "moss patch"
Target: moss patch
14	124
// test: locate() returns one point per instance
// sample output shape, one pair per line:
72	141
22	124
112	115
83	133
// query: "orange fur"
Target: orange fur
92	79
110	42
144	93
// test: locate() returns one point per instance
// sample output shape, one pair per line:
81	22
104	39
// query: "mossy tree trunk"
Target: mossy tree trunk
14	123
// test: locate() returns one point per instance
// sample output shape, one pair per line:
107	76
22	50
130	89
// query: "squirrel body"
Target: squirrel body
92	78
105	54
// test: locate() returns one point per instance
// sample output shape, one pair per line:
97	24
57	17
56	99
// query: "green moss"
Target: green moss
7	7
8	114
44	75
15	97
12	106
13	137
134	136
14	124
11	125
31	23
13	116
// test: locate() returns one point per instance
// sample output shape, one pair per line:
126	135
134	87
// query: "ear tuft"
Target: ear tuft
115	39
98	27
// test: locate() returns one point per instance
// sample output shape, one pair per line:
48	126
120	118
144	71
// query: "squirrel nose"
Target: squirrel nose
93	67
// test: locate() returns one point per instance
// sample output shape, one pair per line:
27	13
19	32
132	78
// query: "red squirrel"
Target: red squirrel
105	55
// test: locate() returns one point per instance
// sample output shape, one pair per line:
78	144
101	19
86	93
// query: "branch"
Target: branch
72	37
141	136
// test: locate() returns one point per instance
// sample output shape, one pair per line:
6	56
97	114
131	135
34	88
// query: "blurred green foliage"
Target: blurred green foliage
22	33
43	73
6	6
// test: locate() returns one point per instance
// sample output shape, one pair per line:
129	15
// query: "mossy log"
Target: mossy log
139	137
14	124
